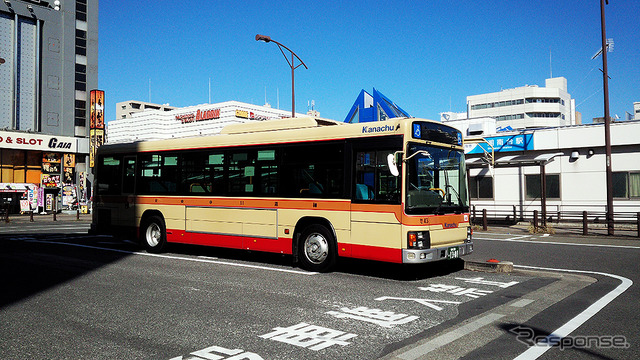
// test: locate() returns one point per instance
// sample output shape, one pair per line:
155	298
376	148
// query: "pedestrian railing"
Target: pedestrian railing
581	222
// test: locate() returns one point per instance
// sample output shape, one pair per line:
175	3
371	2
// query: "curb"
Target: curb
456	339
489	266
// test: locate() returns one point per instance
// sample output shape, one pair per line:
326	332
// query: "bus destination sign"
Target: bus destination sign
436	132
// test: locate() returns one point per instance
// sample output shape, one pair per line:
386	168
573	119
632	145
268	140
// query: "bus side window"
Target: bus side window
268	172
110	179
129	175
374	181
365	175
242	172
314	170
193	176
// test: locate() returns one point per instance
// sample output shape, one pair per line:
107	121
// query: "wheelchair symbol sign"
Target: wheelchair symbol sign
417	131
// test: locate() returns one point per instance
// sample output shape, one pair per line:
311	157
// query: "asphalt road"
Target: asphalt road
68	295
613	262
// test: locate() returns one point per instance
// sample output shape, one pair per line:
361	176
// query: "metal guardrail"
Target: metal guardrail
586	221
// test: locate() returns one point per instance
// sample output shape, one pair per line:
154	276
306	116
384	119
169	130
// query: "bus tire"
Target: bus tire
317	248
153	234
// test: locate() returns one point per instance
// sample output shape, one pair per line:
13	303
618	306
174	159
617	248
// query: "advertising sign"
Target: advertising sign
96	128
97	109
96	138
38	142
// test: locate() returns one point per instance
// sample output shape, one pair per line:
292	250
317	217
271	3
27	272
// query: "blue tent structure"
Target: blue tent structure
376	107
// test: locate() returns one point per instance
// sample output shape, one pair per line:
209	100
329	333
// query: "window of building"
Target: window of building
481	187
626	185
497	104
82	86
510	117
534	187
544	115
544	100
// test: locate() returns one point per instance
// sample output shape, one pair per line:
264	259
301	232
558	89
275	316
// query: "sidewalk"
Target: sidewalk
64	216
573	230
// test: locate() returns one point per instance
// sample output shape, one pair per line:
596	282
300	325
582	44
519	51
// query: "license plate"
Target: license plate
453	252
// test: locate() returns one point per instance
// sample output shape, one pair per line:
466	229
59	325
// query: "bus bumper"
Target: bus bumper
410	256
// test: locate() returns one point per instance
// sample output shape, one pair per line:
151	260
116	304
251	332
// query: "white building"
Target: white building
125	109
470	127
573	160
204	119
636	110
525	107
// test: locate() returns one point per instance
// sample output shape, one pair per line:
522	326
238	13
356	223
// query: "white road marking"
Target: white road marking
536	351
21	229
181	258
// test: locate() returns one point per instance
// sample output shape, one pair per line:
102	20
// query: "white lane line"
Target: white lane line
180	258
533	241
17	229
537	350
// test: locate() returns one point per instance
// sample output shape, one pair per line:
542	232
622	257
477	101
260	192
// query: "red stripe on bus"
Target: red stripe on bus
377	253
280	245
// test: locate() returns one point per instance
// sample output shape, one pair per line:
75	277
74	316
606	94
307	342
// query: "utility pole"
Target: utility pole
607	122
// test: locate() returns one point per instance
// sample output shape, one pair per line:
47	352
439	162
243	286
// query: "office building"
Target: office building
49	52
525	107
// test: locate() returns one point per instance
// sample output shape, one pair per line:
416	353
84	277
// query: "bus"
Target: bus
315	189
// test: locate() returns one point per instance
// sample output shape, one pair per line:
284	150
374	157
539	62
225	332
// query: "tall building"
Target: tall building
529	106
49	52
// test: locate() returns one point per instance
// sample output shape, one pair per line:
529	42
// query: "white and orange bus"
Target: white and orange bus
317	189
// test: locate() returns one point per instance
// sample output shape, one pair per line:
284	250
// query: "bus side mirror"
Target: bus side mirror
393	164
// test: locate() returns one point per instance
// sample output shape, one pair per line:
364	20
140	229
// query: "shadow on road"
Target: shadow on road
377	269
30	266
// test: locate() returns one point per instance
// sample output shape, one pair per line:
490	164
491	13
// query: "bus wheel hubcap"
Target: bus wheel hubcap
153	235
316	248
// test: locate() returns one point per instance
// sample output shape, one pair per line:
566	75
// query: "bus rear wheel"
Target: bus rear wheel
153	234
317	248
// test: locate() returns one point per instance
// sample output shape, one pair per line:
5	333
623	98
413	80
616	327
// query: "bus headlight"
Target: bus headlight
418	240
469	234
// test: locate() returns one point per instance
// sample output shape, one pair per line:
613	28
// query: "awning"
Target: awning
514	160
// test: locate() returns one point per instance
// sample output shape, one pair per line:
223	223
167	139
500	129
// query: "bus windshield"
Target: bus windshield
436	181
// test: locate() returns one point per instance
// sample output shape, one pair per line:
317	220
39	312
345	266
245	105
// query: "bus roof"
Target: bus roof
279	124
273	132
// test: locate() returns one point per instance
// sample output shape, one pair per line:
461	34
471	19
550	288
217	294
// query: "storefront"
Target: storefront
41	173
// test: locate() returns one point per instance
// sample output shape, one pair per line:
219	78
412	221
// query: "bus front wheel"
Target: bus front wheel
316	249
154	234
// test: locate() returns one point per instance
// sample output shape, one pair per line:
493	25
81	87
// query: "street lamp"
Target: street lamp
291	65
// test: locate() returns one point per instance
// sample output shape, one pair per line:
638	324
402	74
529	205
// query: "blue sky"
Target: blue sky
427	56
